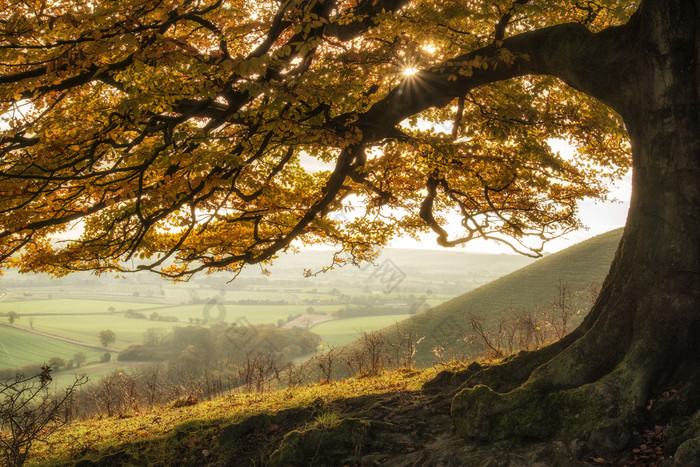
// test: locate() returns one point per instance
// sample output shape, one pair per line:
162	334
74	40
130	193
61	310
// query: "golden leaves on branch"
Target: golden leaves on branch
214	135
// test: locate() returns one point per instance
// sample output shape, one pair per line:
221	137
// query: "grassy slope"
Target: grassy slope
537	283
384	420
238	429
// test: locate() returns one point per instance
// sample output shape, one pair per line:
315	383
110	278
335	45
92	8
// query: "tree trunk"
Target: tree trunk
635	360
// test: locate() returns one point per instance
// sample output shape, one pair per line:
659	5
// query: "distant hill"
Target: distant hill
579	266
290	266
400	270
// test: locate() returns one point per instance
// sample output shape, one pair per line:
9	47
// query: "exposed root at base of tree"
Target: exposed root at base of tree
624	416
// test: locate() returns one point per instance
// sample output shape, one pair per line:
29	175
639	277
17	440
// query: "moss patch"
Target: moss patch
322	445
484	414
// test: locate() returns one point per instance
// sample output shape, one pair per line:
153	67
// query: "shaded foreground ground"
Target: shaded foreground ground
390	420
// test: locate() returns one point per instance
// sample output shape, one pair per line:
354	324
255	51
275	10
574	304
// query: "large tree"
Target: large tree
187	135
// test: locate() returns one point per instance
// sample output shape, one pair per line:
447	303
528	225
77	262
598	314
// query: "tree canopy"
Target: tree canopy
107	337
184	135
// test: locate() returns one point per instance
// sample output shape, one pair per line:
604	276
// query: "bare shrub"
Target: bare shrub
492	338
404	346
562	312
522	329
153	386
30	413
293	375
325	361
354	363
259	371
374	351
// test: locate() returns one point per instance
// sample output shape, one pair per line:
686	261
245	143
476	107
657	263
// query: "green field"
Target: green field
86	328
19	348
63	317
61	306
130	331
534	284
94	372
342	331
77	307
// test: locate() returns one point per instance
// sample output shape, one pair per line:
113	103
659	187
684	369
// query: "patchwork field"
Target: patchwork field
82	320
19	348
242	314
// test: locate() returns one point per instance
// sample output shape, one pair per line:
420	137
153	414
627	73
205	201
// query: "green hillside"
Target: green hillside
579	266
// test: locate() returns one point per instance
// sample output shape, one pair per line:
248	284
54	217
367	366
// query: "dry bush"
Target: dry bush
521	329
404	346
30	413
326	361
259	371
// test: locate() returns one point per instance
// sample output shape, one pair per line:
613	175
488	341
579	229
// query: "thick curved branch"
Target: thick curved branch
364	14
568	51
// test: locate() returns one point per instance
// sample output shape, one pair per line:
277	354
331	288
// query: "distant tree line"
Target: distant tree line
219	342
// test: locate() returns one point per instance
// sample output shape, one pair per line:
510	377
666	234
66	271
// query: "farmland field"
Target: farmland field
77	307
95	372
69	317
62	306
19	348
83	319
243	314
86	328
342	331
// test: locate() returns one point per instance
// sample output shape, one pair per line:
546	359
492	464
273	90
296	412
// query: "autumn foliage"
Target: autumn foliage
180	136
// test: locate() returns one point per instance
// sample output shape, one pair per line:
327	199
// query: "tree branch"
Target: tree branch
568	51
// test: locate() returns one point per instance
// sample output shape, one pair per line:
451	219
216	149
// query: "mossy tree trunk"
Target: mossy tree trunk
641	340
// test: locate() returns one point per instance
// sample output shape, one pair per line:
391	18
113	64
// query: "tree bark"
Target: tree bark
635	360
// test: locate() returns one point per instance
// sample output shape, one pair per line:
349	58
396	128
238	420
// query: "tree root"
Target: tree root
503	377
598	407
